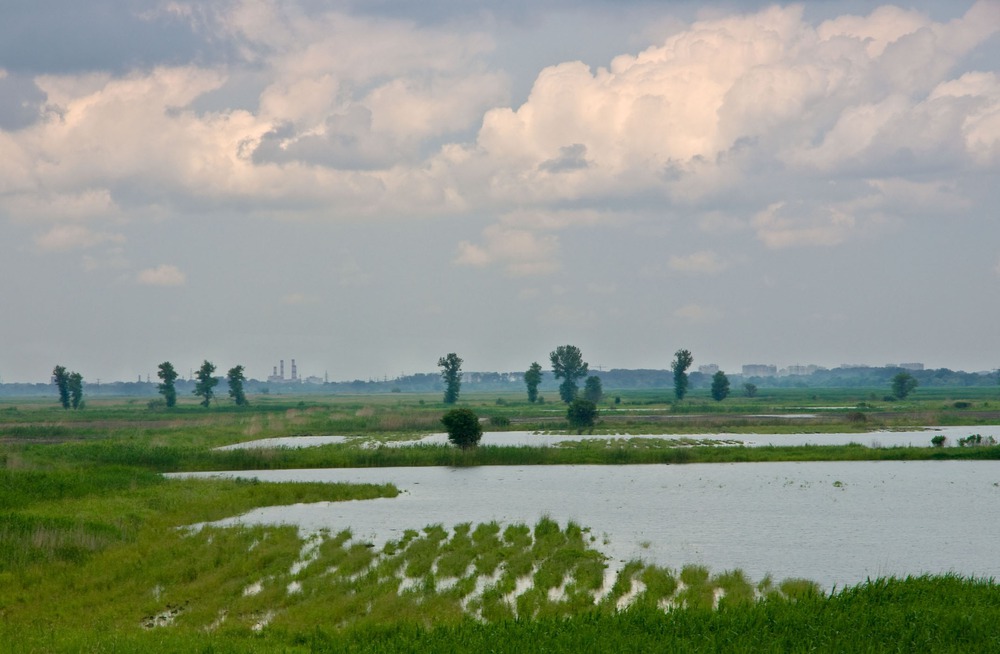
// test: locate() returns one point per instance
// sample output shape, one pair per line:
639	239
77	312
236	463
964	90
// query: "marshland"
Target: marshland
672	526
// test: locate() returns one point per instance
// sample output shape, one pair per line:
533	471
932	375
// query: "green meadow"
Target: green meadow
100	552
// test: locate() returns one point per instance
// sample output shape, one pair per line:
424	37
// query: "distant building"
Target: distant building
709	369
278	376
911	366
800	370
759	370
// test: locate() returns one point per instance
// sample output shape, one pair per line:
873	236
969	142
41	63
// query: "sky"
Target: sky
367	186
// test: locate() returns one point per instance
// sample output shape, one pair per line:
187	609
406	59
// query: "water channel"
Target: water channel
836	523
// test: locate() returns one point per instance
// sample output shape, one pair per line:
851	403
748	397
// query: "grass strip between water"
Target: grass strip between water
179	458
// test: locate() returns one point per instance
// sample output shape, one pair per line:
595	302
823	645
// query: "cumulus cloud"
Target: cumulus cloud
162	275
355	115
754	102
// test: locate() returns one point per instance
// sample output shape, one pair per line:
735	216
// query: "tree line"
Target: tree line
70	385
205	383
568	366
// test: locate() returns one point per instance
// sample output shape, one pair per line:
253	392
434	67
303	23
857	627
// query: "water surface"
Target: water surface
834	522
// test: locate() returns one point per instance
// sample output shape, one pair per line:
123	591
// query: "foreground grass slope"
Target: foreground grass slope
149	583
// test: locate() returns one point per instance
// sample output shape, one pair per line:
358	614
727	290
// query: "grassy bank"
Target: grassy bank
471	588
167	458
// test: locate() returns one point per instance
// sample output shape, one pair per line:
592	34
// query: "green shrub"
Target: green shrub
463	428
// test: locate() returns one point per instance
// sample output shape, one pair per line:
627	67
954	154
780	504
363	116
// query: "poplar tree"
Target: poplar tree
451	373
682	361
532	378
205	383
75	384
61	379
568	365
167	376
235	379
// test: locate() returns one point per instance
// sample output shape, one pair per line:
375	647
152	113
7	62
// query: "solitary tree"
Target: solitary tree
592	389
903	384
75	384
532	378
750	390
61	379
581	414
167	376
235	378
451	373
568	365
720	386
205	383
682	361
463	428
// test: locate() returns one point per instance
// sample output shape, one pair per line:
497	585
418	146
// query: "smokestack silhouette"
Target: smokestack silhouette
282	362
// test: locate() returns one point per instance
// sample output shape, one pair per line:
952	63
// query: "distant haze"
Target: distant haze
367	186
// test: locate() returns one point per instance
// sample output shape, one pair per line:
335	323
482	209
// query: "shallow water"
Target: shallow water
917	437
286	441
836	523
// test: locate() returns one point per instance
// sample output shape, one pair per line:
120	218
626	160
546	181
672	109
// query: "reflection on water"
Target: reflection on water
836	523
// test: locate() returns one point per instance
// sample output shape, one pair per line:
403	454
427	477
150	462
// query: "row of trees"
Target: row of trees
70	385
568	365
205	383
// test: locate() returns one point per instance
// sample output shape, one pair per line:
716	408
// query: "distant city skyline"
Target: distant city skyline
369	186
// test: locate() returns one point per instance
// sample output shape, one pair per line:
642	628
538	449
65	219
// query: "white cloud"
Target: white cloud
352	116
162	275
697	313
521	251
350	273
750	102
784	225
63	238
703	262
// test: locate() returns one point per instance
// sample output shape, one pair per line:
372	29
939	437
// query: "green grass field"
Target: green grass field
96	553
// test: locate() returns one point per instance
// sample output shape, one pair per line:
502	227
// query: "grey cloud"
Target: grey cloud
571	157
348	144
20	102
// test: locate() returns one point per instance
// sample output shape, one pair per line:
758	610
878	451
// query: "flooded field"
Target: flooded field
835	523
913	437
